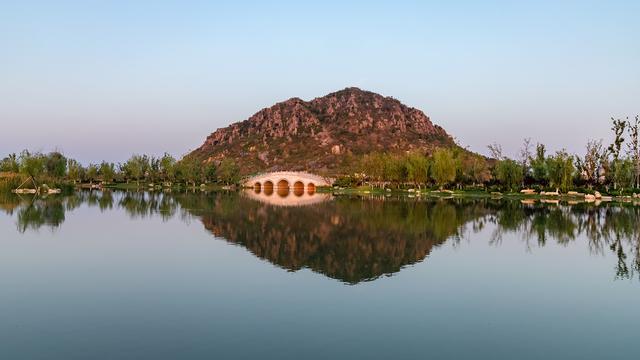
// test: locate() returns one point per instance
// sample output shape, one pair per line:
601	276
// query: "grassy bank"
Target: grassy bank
365	190
157	187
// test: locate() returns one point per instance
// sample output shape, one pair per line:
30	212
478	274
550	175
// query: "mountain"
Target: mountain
321	135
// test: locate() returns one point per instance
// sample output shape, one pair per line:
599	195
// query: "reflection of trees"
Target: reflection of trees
41	212
533	221
355	239
9	202
607	227
142	204
348	239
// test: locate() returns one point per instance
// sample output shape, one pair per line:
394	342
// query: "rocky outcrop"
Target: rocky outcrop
319	134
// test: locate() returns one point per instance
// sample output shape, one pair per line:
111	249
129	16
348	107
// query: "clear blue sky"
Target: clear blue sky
103	79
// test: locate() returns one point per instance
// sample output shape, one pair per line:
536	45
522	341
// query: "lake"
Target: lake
139	275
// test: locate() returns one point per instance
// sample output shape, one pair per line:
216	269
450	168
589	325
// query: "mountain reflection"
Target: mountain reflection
355	239
347	239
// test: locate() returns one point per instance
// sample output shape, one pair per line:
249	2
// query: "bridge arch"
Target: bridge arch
311	188
298	188
283	187
268	187
284	182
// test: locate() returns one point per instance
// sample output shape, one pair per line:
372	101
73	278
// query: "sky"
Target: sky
105	79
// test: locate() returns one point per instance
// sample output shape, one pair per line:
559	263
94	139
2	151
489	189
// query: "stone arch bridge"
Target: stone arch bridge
285	181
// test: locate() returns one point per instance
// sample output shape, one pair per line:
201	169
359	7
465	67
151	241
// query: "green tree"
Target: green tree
228	171
31	164
92	173
560	169
372	165
443	168
625	173
417	168
55	165
509	174
477	171
10	164
393	169
189	170
107	171
153	169
167	167
210	172
539	165
135	167
74	170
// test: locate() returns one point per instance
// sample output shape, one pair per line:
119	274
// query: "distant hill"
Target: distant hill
322	134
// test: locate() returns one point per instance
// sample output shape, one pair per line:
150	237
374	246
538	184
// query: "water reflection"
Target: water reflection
297	197
355	239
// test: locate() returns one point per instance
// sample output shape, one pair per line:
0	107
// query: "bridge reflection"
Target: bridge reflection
285	197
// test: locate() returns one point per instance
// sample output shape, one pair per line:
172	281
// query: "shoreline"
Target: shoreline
366	191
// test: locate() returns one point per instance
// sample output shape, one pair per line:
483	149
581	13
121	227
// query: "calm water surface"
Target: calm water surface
133	275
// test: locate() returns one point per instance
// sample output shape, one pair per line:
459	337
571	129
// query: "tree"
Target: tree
624	175
55	165
417	167
443	169
634	149
394	169
107	171
74	170
560	169
92	173
618	129
153	168
228	171
167	167
594	160
135	167
31	164
477	171
526	156
539	165
496	151
210	172
509	174
10	164
372	165
189	170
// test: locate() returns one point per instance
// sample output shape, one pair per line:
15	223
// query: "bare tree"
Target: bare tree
634	148
496	151
593	161
526	154
618	128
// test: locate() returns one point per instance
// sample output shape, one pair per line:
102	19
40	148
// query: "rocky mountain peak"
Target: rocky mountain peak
317	134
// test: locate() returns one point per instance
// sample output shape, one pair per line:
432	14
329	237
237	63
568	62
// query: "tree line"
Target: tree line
612	168
55	167
443	167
